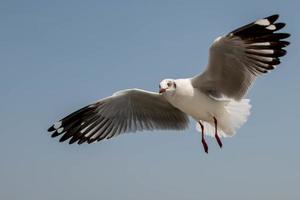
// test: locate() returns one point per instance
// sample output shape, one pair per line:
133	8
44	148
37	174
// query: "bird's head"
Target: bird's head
167	86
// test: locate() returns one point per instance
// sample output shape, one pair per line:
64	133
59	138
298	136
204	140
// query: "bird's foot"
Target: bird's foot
216	133
205	146
218	140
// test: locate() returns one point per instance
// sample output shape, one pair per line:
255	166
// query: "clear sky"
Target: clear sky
57	56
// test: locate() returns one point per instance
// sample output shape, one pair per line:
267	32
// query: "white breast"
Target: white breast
193	102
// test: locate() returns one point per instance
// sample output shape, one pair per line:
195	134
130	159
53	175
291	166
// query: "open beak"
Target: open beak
161	90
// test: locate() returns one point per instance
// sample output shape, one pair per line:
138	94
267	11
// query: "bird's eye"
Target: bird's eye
169	84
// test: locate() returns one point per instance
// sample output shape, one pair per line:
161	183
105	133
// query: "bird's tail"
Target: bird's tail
233	117
237	114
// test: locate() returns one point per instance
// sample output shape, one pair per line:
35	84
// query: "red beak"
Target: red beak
161	90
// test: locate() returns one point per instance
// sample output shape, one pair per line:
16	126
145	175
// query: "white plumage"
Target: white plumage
214	98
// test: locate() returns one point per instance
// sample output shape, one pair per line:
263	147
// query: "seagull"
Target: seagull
214	98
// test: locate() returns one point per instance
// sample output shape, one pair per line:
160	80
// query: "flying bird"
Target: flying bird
214	98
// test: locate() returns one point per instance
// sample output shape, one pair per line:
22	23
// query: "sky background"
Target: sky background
57	56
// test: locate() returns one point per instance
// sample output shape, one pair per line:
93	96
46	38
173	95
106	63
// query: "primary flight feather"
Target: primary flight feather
213	98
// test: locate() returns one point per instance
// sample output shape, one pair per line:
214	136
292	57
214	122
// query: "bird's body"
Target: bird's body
214	98
193	102
204	108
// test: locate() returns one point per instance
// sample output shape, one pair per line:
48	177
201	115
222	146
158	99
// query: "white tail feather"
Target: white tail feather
238	112
235	115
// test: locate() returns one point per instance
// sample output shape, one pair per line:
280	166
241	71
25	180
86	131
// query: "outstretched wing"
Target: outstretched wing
125	111
237	58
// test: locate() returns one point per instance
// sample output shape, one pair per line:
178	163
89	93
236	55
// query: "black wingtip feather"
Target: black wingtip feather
275	53
272	18
279	26
55	134
285	43
73	140
280	52
90	141
273	45
65	137
51	129
82	140
274	37
275	61
258	28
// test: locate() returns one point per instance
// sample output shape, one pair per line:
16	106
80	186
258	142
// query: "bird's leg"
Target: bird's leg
205	146
216	133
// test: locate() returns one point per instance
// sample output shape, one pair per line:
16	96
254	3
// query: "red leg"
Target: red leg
205	146
216	133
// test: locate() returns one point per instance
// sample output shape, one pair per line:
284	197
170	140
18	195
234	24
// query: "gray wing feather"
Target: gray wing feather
125	111
236	59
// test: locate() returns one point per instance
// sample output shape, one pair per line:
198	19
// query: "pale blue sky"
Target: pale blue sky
57	56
